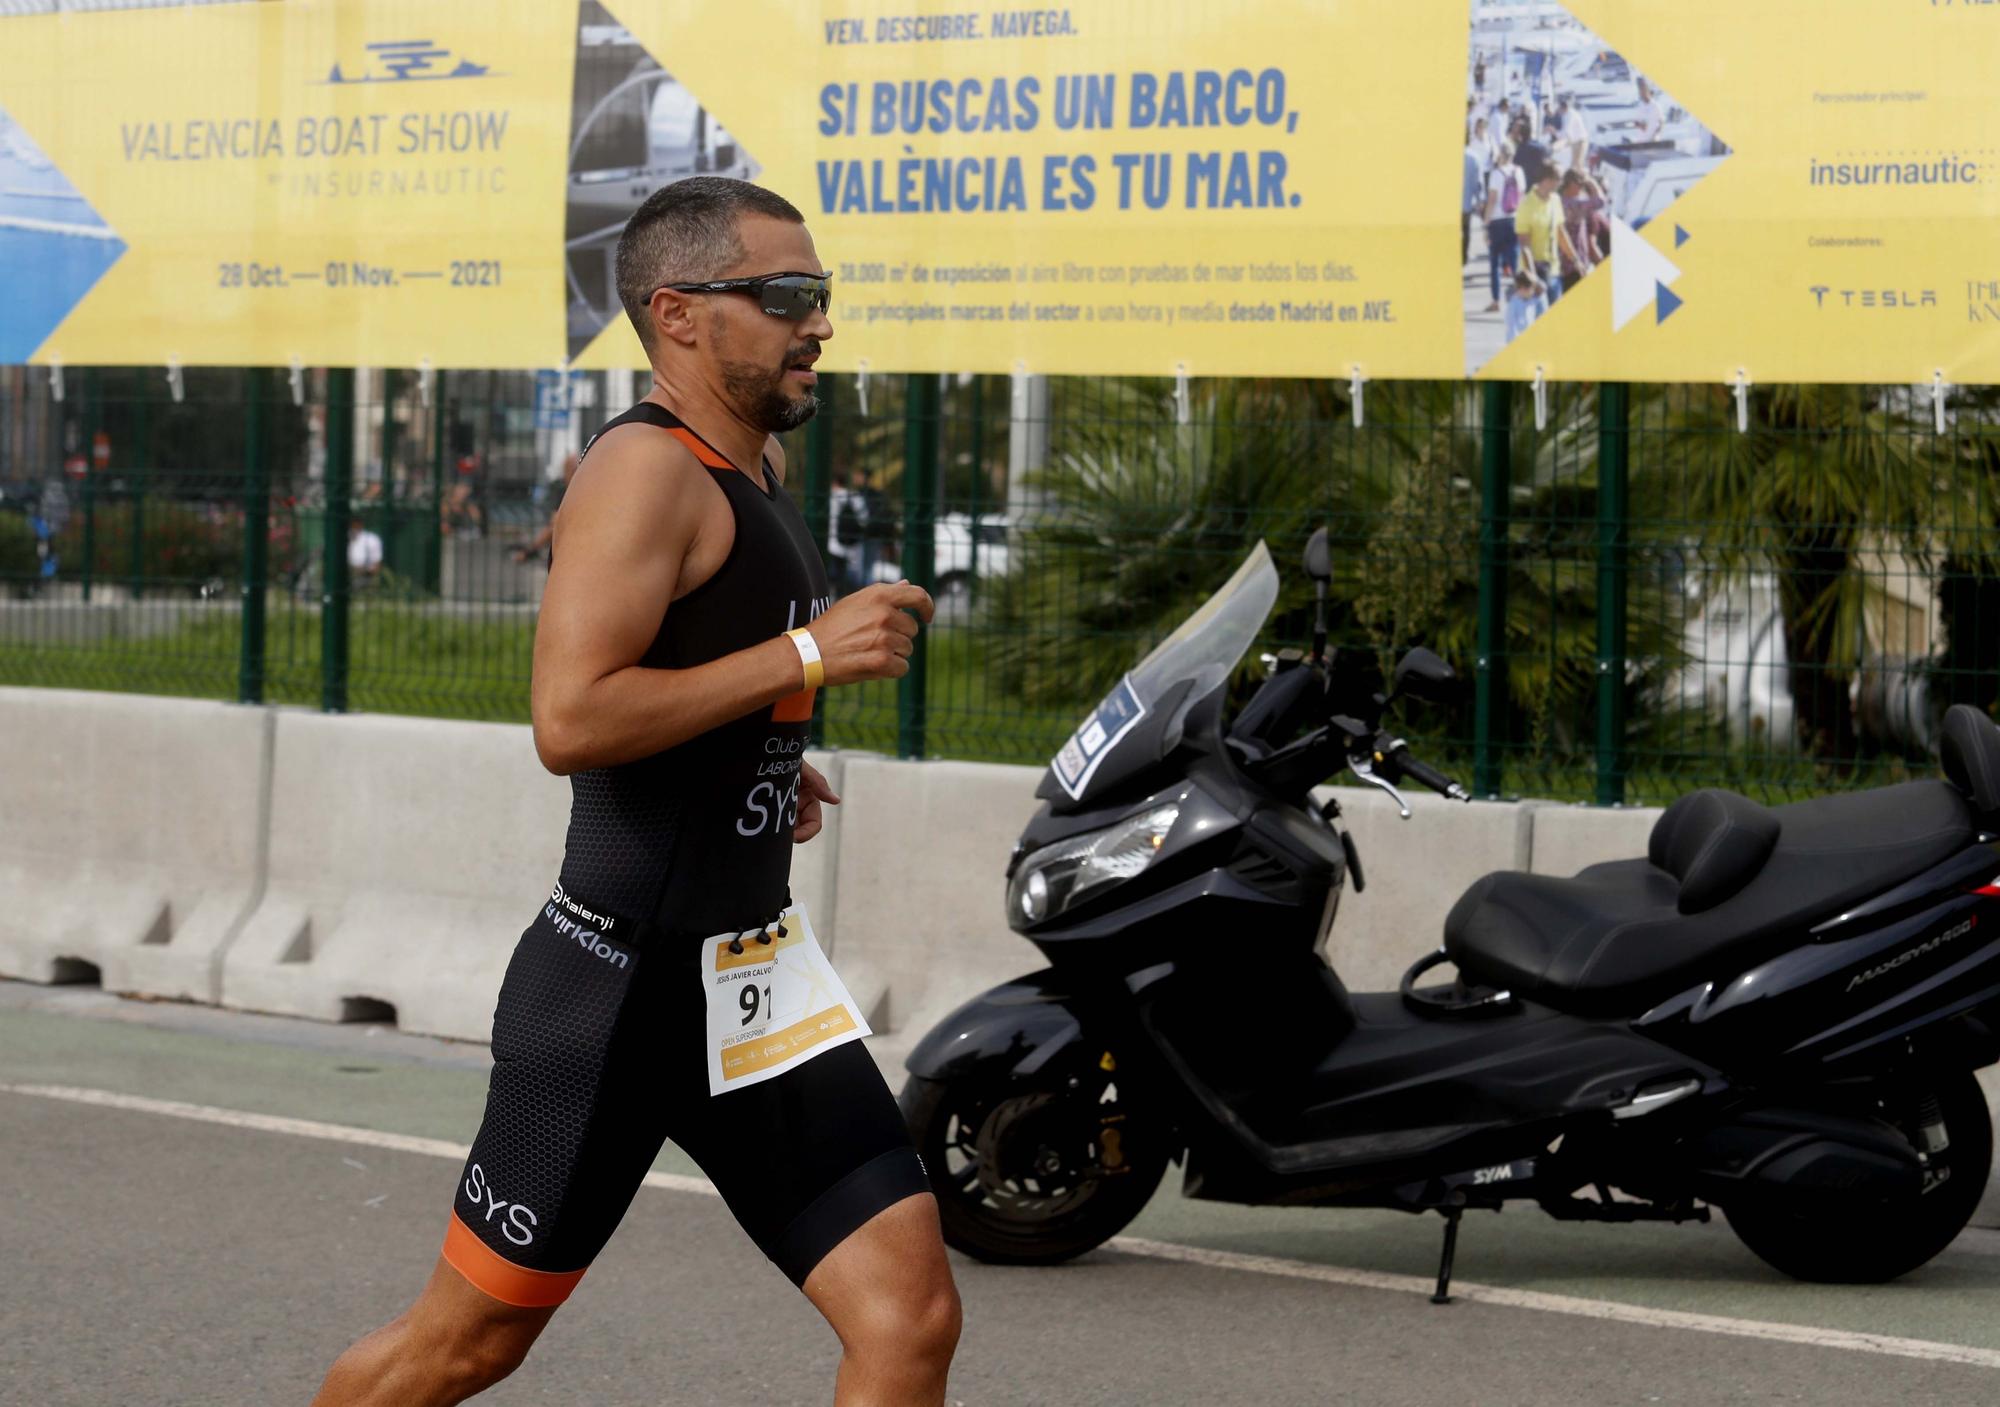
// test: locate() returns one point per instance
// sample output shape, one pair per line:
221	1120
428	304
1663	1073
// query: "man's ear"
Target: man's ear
673	316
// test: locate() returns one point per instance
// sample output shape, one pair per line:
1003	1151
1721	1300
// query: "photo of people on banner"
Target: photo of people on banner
634	127
1562	137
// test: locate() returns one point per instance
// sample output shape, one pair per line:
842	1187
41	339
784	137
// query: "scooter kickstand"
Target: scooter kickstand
1451	1216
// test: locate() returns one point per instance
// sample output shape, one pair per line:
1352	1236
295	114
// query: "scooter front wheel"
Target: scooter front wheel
1032	1174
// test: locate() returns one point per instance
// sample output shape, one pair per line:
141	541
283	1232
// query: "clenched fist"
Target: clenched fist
870	634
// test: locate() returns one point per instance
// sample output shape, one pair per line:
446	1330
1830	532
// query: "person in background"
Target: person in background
845	525
1583	206
1524	304
539	543
1482	141
1652	113
1573	137
1530	155
1538	224
1471	189
1503	188
364	554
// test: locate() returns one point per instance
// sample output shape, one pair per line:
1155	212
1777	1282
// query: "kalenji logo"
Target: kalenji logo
481	1194
581	911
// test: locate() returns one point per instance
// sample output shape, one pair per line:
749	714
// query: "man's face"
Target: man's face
765	362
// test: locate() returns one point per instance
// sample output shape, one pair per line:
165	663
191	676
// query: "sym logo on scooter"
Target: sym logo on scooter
1930	946
481	1192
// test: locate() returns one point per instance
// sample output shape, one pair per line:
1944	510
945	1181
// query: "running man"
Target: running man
667	688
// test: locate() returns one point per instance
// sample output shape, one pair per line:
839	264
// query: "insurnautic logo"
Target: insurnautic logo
1920	950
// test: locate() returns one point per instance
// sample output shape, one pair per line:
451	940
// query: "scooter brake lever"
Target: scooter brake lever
1361	766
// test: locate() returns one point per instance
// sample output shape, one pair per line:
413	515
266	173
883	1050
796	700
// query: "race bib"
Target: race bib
773	1006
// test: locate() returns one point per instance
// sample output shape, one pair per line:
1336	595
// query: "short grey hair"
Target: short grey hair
687	233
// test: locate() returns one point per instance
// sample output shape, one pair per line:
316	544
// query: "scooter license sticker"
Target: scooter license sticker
1090	744
773	1005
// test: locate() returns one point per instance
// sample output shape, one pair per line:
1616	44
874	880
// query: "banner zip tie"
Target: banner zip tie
298	380
861	385
1937	399
1541	399
1019	389
425	372
174	383
56	378
1183	403
1357	390
1742	394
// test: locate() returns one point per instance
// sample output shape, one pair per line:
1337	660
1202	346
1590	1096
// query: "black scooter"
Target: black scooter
1776	1012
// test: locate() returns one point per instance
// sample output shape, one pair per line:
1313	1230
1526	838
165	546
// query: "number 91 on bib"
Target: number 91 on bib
773	1006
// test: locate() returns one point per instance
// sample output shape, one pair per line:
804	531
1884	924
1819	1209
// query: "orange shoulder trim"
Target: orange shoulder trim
700	447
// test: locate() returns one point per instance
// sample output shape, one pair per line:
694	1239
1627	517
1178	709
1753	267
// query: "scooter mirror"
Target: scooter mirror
1319	557
1423	674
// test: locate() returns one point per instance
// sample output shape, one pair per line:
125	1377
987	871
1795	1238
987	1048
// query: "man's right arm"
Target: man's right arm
628	526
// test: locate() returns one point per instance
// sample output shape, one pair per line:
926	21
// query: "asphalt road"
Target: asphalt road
152	1255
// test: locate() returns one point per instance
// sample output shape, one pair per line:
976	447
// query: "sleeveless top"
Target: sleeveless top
698	839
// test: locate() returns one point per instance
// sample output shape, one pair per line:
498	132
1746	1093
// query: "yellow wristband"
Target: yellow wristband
808	649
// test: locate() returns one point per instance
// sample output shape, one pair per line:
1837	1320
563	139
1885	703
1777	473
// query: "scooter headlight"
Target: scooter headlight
1059	876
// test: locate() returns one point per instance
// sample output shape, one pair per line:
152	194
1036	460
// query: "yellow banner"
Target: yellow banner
1791	189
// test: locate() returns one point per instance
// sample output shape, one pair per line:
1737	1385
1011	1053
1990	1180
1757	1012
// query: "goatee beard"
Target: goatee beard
761	398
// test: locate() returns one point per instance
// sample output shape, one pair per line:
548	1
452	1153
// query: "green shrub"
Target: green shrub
18	561
182	542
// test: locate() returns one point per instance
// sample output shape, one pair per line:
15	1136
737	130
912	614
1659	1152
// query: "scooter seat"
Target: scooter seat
1620	937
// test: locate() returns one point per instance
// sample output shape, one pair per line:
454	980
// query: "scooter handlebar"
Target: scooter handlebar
1425	775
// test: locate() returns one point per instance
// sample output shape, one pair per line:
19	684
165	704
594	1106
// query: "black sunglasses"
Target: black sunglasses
791	296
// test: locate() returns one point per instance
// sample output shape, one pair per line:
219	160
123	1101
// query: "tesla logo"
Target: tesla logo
1878	298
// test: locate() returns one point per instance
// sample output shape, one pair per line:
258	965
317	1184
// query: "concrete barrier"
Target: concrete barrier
1415	871
326	866
1569	838
406	856
130	837
920	888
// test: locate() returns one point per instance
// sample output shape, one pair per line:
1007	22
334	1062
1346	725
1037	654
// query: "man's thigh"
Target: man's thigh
808	1158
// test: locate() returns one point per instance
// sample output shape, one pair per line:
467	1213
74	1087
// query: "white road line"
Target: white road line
1805	1335
303	1128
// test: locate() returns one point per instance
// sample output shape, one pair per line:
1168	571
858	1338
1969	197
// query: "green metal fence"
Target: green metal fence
1642	596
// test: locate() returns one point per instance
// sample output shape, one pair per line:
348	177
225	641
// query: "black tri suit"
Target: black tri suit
598	1035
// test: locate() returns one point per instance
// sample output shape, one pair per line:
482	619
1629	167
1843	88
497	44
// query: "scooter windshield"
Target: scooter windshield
1141	720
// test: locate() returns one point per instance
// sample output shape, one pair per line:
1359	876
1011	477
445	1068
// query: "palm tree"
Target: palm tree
1147	515
1823	474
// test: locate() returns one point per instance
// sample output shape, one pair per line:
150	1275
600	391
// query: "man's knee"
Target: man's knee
478	1358
916	1320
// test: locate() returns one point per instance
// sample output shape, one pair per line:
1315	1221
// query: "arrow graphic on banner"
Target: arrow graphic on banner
47	226
1640	275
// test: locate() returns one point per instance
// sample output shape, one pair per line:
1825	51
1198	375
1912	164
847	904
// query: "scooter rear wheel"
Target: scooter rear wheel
1873	1244
1032	1175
